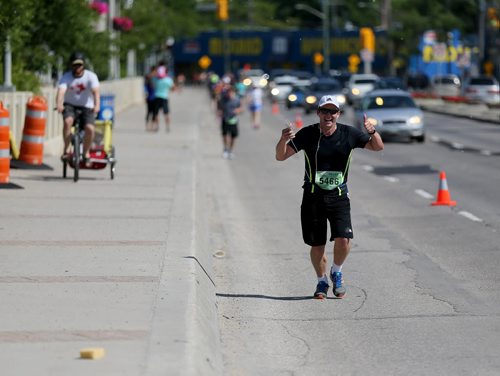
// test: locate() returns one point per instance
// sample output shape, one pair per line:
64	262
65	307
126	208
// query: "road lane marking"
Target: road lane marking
470	216
391	179
368	168
424	194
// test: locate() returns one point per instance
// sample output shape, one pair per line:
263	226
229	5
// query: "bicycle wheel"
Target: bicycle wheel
76	155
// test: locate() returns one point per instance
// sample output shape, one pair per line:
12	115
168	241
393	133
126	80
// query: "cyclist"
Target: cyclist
78	89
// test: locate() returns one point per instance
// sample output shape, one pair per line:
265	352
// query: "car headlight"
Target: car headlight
414	120
311	99
292	97
262	82
341	99
355	91
247	81
275	91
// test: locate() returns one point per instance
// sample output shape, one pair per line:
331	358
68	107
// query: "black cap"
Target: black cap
77	58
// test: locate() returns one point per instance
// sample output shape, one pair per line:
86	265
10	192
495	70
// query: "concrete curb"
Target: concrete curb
190	344
460	110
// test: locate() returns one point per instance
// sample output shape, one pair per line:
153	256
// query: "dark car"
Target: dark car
324	86
390	83
297	96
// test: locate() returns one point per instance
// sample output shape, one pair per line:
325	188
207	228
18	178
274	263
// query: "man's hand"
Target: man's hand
370	128
287	133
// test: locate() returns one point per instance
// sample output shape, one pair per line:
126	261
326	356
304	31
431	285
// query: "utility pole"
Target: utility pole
114	59
324	16
325	4
386	23
7	67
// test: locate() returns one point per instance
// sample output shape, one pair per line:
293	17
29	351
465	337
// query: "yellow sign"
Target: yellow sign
367	39
204	62
354	61
318	58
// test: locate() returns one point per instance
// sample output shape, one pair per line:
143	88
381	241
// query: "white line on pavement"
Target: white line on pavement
391	179
424	194
470	216
368	168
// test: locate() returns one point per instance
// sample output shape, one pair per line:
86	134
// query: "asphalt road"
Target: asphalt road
422	281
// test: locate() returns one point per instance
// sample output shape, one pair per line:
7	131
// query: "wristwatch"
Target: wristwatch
371	133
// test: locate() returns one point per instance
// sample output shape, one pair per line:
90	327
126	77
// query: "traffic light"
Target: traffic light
222	10
367	39
493	18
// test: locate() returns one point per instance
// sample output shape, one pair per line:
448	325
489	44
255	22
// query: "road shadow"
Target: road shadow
259	296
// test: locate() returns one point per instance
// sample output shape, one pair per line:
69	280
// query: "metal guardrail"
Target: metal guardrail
127	92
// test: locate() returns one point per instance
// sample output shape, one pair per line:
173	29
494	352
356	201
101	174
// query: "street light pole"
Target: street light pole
326	35
324	16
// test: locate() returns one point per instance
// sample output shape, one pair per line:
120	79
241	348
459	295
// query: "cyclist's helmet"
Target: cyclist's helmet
77	58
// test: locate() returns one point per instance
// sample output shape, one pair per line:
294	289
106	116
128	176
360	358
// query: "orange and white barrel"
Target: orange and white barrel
34	131
4	145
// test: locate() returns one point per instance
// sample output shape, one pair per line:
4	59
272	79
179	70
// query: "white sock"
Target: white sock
335	268
323	279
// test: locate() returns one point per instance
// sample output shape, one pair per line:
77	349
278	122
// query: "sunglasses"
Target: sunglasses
327	111
77	65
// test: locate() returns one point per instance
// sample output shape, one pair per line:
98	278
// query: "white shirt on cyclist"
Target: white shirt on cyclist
78	90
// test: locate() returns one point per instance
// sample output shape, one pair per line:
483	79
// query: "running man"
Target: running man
328	148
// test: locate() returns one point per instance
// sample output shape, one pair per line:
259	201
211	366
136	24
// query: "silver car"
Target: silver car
483	89
394	113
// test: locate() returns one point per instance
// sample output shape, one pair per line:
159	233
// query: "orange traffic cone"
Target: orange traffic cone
443	195
275	108
298	120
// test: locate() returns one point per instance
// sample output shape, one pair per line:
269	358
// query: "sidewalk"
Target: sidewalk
479	112
116	264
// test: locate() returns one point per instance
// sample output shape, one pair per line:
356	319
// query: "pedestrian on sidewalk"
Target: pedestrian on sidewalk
229	109
163	85
149	93
328	147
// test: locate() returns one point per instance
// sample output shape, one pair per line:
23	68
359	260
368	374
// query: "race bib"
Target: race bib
329	180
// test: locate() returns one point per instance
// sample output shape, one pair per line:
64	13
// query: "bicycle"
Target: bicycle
101	154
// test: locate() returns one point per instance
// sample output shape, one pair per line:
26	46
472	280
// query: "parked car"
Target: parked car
483	89
358	85
394	113
324	86
446	86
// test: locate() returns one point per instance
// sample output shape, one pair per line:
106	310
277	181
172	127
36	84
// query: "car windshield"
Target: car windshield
364	81
481	81
395	101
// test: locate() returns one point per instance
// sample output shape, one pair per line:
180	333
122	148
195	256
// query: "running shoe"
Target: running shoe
321	290
338	284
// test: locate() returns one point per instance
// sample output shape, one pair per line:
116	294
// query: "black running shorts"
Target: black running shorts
229	129
317	209
86	115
